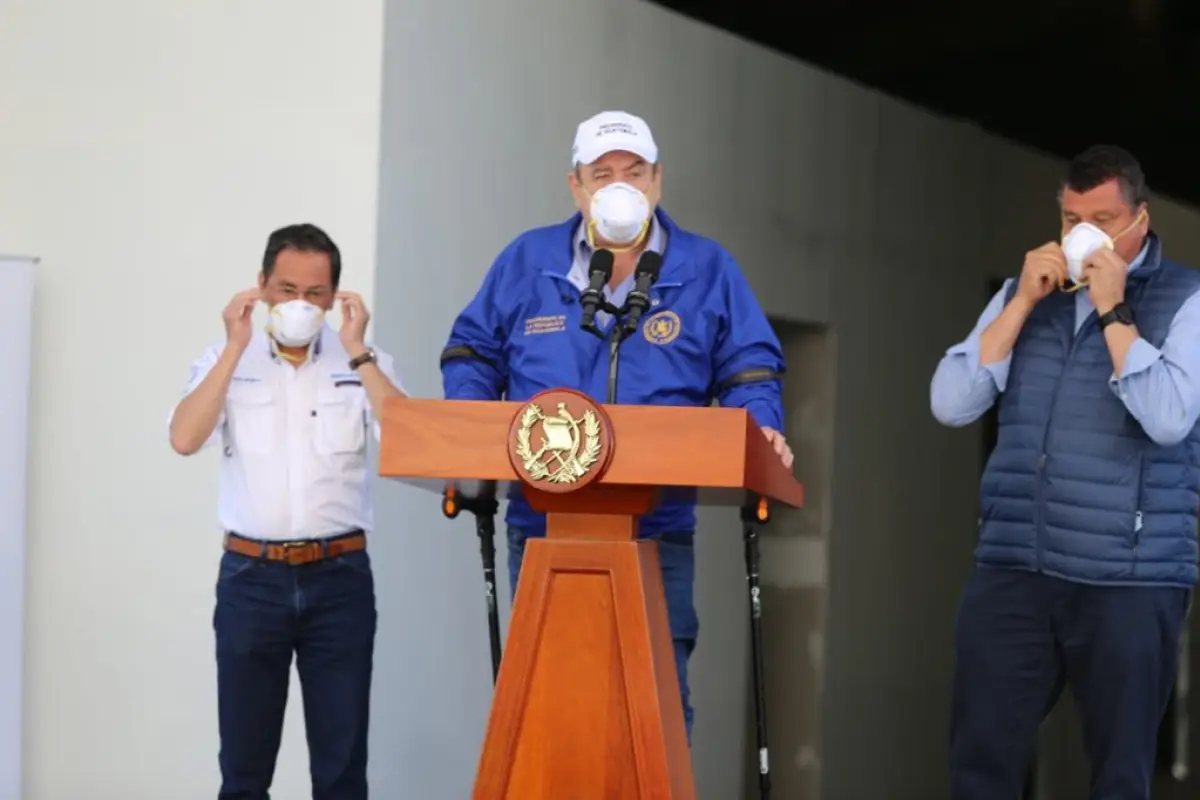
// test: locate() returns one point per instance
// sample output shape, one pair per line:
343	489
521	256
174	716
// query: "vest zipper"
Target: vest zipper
1040	477
1138	518
1040	473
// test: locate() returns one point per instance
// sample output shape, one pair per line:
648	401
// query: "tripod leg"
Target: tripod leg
756	643
486	526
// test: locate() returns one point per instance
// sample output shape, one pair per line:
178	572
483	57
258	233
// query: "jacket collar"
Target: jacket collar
1151	262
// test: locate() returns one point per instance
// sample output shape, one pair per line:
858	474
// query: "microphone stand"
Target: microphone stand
754	514
484	507
615	337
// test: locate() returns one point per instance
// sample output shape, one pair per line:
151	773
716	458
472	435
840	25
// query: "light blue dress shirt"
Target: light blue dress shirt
1161	388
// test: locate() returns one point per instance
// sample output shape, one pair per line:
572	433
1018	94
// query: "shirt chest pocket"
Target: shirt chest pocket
252	417
341	420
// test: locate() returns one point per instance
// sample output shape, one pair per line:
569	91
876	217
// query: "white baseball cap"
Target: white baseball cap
610	131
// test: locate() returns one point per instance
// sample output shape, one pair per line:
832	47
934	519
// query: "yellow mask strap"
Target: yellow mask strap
277	350
1140	216
293	359
590	233
1075	287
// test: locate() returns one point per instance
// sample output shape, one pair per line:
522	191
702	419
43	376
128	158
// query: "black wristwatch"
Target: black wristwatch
366	358
1121	314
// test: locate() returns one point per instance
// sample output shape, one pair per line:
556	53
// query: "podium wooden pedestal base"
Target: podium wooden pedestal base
587	702
587	706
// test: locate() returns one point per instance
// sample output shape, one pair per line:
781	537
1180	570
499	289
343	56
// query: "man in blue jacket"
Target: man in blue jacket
1087	533
704	336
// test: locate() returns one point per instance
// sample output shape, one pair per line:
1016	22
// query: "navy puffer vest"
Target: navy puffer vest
1075	488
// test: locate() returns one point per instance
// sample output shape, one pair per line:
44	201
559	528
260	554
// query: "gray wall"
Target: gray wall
846	210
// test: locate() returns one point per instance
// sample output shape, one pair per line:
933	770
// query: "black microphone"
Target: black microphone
600	271
645	275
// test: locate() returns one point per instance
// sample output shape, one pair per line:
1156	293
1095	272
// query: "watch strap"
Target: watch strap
1120	313
365	358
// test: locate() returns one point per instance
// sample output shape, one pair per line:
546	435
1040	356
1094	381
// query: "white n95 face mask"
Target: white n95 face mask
295	323
620	214
1079	243
1085	239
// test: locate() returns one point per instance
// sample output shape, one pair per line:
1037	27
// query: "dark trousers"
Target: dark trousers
322	612
678	558
1020	638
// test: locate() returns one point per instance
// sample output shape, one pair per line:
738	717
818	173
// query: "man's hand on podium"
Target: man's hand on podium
780	444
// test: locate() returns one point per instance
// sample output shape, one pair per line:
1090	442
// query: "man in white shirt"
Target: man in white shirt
291	408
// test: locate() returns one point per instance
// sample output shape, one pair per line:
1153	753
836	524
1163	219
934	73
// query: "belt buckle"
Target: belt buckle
293	552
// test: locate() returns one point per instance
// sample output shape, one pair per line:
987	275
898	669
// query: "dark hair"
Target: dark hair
306	238
1102	163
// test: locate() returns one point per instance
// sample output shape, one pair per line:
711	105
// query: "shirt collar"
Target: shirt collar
1141	256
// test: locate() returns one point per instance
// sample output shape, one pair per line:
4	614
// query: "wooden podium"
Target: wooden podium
587	703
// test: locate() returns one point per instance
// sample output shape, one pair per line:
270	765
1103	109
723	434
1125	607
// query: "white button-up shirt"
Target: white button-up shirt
294	441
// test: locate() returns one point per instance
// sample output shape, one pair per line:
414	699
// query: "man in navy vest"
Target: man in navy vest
1087	535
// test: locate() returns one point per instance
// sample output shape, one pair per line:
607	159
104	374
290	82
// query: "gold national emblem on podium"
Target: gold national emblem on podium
561	440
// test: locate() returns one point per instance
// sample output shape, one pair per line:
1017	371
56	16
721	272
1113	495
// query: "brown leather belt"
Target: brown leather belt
297	553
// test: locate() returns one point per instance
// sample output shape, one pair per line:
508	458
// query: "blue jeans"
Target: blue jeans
677	555
322	612
1020	638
